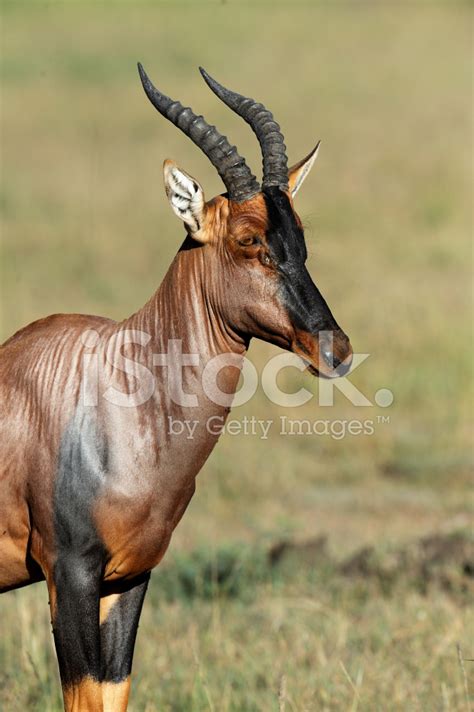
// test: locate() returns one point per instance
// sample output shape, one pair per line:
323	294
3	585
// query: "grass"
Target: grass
86	228
230	626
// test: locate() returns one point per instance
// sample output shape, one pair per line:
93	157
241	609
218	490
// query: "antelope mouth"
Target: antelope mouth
312	369
336	372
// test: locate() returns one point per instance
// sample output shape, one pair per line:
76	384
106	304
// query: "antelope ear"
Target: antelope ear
186	197
299	171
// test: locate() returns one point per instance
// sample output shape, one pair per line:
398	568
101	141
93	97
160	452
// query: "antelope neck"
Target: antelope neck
190	305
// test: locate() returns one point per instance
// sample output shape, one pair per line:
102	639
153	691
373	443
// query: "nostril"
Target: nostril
340	366
336	353
329	358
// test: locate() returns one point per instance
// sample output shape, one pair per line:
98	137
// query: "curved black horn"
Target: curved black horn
241	184
270	137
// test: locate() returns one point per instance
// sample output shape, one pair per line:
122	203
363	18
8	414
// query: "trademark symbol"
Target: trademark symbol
383	419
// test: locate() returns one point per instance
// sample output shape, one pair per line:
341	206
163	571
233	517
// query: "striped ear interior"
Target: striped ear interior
185	196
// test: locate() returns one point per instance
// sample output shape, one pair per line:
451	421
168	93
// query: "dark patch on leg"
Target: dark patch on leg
76	620
119	630
81	555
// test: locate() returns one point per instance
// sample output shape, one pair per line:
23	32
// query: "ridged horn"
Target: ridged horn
270	137
240	182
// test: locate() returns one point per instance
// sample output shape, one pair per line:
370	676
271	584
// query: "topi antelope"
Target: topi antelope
92	489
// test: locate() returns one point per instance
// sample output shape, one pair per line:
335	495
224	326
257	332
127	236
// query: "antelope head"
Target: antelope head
251	237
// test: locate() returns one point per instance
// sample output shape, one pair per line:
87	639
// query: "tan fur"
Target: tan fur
86	696
115	695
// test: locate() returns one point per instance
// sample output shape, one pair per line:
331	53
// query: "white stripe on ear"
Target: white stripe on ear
186	198
300	170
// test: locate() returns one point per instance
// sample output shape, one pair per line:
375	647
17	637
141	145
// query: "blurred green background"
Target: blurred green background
369	618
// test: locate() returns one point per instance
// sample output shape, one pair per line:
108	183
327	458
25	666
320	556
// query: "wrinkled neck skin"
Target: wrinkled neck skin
192	305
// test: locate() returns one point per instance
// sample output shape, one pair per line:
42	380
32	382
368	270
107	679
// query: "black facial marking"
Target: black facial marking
119	630
285	237
81	555
306	306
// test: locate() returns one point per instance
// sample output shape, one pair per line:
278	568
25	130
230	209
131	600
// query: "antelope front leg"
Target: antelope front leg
120	608
74	590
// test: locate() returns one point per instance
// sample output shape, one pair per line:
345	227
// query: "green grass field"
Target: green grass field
86	228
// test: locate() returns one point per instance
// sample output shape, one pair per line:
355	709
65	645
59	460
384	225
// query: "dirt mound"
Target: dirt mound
309	551
443	560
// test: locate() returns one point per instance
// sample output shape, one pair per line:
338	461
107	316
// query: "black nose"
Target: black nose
337	354
329	358
339	366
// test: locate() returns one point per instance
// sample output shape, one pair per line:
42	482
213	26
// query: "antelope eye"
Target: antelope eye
248	241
